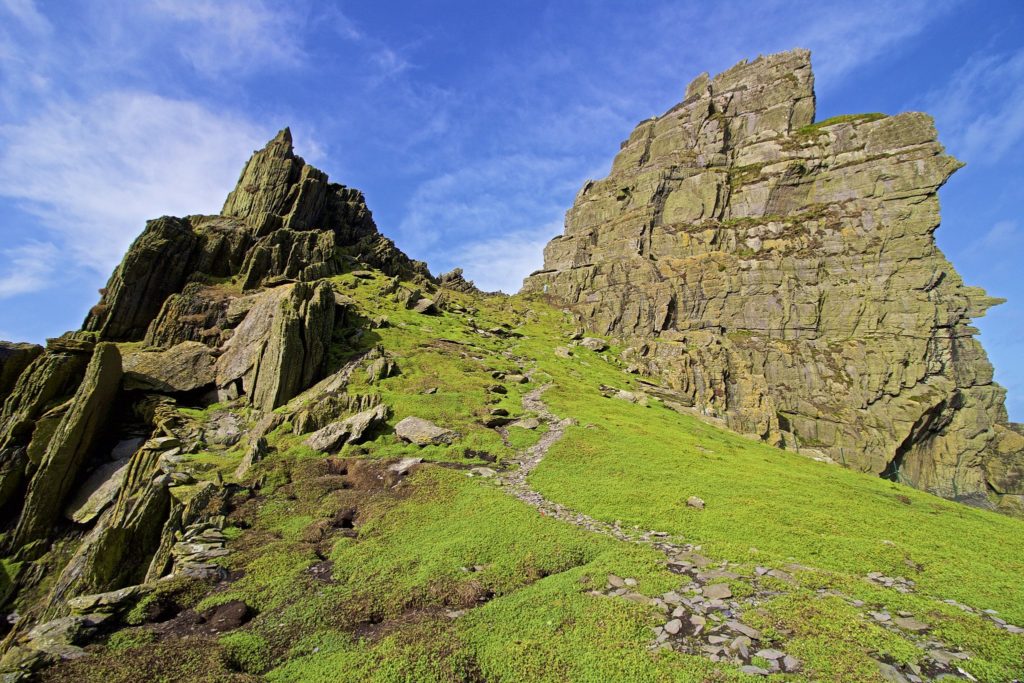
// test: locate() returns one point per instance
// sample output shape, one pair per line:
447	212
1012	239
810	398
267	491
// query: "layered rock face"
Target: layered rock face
782	275
236	308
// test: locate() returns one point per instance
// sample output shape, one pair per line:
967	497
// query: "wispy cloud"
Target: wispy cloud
28	268
27	15
501	195
94	171
981	109
501	263
228	36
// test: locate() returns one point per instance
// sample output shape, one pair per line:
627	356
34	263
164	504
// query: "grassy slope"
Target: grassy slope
382	618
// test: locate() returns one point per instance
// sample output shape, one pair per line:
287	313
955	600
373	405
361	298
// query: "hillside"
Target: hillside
279	449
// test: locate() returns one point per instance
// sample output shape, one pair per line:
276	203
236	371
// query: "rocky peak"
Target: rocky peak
782	275
266	179
283	222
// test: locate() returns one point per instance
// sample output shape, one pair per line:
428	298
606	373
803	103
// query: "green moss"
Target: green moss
816	128
130	638
246	651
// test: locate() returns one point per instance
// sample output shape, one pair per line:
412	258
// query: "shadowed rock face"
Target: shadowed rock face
783	276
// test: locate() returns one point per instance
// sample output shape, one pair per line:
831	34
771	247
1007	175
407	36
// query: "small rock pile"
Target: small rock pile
202	543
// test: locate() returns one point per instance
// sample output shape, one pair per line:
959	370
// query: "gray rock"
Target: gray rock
748	631
98	491
910	624
421	432
184	367
695	502
717	591
349	431
593	343
256	452
754	670
405	465
674	626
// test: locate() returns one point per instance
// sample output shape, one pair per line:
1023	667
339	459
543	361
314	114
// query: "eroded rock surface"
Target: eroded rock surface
782	275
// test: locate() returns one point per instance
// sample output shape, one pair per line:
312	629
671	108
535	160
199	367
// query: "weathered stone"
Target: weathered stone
256	452
97	492
351	430
281	346
404	466
14	358
423	433
425	306
106	603
783	276
695	502
70	445
48	382
910	624
593	344
198	313
717	591
155	267
184	367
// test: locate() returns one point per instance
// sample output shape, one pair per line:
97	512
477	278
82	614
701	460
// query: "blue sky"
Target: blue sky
469	125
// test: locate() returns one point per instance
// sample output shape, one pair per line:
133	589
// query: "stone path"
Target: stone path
702	615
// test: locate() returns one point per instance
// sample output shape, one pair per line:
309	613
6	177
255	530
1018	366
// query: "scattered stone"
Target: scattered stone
674	626
526	423
695	502
754	670
593	343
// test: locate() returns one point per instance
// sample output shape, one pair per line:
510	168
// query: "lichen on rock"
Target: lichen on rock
783	276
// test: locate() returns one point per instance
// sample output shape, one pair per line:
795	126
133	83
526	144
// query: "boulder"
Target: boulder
593	343
423	433
349	431
184	367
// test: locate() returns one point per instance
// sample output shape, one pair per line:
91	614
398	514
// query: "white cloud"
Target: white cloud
501	263
843	40
227	36
502	195
28	268
96	170
981	109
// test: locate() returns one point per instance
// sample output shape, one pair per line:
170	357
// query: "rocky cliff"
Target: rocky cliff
235	307
782	275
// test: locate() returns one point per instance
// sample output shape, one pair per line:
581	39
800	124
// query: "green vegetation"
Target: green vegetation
816	128
357	574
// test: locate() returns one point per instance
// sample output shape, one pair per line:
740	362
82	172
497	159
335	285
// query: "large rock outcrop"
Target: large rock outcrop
783	275
284	222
